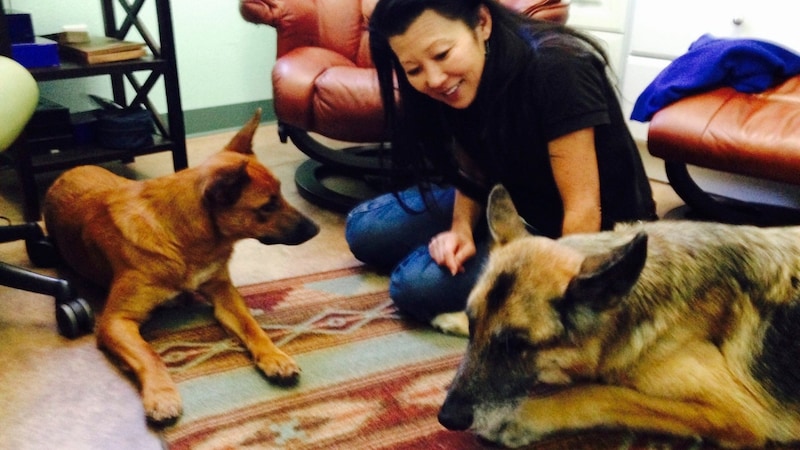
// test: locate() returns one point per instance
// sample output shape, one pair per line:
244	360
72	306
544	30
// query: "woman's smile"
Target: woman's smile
452	90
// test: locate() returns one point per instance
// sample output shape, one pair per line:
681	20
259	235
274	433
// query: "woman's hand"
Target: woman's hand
454	247
451	249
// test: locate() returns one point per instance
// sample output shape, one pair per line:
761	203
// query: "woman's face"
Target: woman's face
444	58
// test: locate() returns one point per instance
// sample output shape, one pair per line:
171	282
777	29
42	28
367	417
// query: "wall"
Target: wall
224	63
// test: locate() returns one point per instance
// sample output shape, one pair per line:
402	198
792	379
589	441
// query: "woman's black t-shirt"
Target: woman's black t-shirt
558	93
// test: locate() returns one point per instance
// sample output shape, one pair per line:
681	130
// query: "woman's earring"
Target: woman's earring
486	47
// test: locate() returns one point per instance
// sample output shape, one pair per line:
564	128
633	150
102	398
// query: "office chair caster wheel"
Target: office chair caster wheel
42	252
74	318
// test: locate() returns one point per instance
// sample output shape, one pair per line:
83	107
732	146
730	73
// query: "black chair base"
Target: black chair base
73	314
325	187
707	206
337	179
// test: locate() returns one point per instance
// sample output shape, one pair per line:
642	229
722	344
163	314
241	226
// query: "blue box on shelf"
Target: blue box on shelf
42	52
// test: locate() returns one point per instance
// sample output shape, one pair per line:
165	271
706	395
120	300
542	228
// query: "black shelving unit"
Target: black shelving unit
161	65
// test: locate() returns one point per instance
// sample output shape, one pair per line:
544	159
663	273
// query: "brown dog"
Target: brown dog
151	240
683	328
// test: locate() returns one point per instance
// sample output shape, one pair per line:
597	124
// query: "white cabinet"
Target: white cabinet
606	21
639	72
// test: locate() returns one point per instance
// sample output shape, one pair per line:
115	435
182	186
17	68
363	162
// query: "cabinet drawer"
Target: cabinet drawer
599	15
665	29
639	72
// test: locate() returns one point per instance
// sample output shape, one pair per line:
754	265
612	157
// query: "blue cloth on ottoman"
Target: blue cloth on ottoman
747	65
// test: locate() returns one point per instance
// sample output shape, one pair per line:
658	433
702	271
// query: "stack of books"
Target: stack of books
98	49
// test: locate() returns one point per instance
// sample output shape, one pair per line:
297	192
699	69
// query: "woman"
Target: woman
488	96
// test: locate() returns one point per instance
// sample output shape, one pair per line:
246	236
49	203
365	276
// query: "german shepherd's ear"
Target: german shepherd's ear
606	277
505	224
243	141
224	187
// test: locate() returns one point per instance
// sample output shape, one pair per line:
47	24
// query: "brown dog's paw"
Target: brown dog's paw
279	368
162	406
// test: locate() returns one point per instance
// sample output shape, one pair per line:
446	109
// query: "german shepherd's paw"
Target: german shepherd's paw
503	424
279	368
455	323
162	406
515	433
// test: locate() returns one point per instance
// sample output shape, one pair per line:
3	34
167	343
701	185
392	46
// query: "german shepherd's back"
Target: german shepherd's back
677	327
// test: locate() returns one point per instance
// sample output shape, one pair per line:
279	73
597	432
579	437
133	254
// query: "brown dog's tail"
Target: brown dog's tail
243	141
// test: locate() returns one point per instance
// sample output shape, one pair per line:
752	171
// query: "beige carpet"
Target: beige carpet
62	394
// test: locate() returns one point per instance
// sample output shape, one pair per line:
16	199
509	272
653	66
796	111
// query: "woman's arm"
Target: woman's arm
466	213
455	246
574	162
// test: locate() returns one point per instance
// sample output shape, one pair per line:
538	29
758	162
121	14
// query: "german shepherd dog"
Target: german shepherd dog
150	241
681	328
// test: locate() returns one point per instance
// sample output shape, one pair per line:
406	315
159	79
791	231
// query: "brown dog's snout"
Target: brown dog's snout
456	412
303	230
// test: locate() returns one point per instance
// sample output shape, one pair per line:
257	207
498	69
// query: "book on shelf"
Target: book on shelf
100	49
116	56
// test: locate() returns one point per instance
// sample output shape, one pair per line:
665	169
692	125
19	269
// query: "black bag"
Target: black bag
123	128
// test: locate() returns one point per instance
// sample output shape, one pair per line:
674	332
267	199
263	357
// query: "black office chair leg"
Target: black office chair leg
73	314
28	230
41	251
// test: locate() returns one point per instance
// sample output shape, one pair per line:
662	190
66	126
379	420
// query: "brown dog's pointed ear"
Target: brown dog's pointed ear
243	141
505	224
607	276
225	186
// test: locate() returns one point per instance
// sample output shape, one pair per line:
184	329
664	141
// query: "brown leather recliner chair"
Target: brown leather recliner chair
324	83
755	135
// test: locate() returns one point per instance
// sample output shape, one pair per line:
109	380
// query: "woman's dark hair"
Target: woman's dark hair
422	136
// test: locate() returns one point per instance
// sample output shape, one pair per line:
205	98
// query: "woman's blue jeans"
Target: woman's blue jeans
382	234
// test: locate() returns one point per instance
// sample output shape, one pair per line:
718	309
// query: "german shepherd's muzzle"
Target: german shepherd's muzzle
682	328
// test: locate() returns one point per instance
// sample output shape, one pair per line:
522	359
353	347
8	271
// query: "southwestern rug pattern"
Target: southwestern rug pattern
370	379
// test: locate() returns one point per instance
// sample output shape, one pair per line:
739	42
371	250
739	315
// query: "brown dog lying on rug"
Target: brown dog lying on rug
150	241
681	328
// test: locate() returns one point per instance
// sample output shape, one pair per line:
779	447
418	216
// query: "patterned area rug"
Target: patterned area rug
370	379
